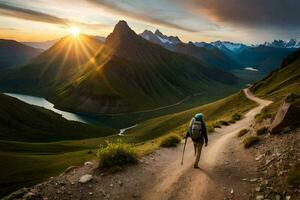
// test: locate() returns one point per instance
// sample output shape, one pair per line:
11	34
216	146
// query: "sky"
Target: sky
247	21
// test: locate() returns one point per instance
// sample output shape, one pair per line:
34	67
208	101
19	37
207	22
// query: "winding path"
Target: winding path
177	181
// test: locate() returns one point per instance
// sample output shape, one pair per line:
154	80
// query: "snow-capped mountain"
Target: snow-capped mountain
204	44
232	47
157	37
292	43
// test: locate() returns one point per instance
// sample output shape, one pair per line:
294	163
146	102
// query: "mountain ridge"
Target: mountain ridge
13	53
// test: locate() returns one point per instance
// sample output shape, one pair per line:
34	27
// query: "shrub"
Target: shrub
170	141
224	123
236	117
242	132
115	155
216	125
294	176
264	114
250	141
220	123
262	131
231	121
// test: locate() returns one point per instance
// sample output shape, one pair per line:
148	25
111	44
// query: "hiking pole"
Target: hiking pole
183	150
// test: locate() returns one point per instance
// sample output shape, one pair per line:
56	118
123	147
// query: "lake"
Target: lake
39	101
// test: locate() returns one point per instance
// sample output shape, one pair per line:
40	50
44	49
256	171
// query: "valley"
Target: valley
84	116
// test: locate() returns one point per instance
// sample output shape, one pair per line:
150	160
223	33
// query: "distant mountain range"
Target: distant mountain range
128	73
209	56
41	45
13	53
157	37
292	43
229	55
206	53
49	43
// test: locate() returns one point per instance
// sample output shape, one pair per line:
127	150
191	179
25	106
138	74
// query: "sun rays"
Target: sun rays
74	31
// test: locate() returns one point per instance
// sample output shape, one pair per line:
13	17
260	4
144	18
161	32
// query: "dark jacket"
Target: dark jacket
204	131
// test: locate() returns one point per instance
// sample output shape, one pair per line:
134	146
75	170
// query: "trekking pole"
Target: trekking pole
183	150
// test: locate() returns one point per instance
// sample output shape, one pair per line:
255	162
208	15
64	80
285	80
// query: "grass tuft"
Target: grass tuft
265	113
170	141
250	141
236	117
262	131
242	132
116	155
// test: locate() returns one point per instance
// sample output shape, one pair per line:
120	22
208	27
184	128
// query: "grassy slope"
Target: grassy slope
278	84
22	122
29	163
219	110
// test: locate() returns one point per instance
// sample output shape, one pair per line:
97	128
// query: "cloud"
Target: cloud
276	13
147	15
32	15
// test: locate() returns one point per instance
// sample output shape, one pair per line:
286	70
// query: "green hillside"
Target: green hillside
220	110
22	122
280	82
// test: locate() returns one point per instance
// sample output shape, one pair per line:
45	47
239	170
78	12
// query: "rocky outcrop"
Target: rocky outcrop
288	115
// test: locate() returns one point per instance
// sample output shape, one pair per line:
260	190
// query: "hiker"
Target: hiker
197	132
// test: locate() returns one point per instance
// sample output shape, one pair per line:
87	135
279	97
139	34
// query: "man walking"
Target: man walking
197	131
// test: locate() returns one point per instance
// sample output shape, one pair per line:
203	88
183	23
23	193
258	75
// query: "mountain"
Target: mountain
292	43
208	56
42	126
229	48
157	37
42	45
204	44
263	58
49	43
53	66
130	73
204	52
13	53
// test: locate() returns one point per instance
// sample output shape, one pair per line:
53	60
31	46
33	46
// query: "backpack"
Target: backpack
196	134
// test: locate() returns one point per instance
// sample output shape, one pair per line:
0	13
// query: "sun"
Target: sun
75	31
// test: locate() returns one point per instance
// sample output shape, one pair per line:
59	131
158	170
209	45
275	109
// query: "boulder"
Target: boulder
85	178
288	115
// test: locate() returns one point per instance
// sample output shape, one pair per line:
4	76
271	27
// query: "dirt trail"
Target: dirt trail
177	181
161	176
